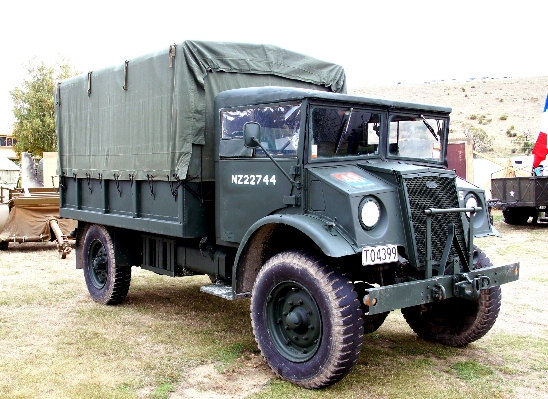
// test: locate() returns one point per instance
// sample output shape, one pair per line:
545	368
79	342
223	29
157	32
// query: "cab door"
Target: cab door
250	186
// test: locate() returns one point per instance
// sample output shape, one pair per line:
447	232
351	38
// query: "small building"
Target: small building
6	146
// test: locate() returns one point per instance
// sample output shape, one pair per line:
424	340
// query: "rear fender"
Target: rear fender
127	245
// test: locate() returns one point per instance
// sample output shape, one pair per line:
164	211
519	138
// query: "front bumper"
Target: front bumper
435	289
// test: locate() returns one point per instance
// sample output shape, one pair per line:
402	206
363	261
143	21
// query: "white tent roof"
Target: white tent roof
6	164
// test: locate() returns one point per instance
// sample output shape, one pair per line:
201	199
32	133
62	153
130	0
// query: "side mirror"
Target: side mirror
252	134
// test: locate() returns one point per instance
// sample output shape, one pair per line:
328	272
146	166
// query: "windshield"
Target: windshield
416	136
343	132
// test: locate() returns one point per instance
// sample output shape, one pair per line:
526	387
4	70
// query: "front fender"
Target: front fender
331	241
482	225
253	249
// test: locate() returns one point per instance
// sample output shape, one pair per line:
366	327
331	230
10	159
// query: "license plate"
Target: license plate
380	254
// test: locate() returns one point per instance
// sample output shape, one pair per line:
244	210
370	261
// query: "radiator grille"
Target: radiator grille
433	192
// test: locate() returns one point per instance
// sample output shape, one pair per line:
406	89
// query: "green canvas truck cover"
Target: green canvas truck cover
152	116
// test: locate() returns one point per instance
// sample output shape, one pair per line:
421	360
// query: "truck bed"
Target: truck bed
530	191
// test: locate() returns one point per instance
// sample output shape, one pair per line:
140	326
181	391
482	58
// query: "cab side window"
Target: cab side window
280	128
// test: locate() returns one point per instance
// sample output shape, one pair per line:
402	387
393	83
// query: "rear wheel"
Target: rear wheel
457	321
306	319
107	282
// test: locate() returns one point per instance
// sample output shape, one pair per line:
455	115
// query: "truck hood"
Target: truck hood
349	179
335	194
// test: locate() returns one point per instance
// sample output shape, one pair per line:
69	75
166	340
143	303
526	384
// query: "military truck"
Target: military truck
249	164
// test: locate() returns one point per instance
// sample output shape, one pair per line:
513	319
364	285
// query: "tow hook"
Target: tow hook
470	288
438	293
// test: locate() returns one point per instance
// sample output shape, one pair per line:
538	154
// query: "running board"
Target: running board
221	290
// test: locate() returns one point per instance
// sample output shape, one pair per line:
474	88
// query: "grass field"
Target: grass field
168	340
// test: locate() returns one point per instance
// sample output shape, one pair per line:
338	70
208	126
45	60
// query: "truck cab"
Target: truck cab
329	165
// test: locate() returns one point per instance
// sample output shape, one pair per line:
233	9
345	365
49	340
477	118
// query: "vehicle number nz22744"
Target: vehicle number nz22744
379	254
254	180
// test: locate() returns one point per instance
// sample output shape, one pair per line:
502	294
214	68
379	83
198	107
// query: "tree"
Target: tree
34	127
482	142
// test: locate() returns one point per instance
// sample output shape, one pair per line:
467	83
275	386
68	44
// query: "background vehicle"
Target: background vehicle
328	210
520	198
31	213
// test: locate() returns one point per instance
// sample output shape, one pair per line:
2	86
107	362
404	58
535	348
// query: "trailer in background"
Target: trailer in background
32	215
520	198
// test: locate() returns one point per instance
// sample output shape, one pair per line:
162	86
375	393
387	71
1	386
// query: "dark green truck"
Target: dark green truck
249	164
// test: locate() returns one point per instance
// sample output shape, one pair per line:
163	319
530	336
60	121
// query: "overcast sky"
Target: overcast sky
378	42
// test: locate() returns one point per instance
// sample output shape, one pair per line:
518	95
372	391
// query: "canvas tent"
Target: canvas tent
153	115
34	217
31	223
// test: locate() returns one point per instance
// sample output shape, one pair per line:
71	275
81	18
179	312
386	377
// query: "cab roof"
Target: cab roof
270	94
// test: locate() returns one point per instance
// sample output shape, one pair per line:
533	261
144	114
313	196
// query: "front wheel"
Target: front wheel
457	321
107	282
306	319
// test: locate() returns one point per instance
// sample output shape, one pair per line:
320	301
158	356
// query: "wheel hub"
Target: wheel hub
99	264
294	321
297	319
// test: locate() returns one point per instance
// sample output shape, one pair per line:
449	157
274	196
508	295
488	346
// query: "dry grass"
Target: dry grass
57	343
169	340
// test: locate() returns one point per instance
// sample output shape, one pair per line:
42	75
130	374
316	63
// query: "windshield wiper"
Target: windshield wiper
343	134
429	128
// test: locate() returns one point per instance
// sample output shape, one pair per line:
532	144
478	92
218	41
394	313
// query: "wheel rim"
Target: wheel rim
294	321
98	261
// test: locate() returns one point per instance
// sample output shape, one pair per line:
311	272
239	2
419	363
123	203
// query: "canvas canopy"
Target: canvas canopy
153	116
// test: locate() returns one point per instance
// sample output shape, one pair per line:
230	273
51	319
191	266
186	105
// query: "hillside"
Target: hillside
498	105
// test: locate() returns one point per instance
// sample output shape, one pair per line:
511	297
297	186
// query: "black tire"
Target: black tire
107	282
371	323
306	319
516	216
4	245
457	321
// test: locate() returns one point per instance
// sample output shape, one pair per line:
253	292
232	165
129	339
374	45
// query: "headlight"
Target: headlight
370	213
470	201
